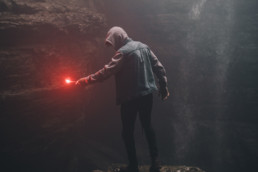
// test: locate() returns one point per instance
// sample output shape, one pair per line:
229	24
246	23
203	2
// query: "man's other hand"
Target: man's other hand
164	93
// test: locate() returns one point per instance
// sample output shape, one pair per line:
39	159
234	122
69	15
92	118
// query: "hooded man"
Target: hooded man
133	66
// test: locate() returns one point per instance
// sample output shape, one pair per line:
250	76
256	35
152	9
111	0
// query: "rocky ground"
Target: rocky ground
164	168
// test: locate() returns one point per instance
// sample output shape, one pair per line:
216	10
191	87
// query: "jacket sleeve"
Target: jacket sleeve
159	70
108	70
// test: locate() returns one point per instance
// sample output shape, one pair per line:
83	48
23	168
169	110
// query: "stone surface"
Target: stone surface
164	168
35	16
41	43
44	41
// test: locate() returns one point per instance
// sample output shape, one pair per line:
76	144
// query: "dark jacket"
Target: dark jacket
133	66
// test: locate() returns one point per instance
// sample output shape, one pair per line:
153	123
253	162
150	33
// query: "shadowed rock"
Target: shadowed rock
63	16
164	168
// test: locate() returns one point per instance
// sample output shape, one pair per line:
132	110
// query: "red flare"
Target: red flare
68	81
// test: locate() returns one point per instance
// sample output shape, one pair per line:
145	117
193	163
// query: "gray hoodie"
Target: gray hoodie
133	66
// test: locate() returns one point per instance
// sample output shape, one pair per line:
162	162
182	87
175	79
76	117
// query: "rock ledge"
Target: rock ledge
145	168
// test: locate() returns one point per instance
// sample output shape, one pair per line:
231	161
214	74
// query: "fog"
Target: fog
208	47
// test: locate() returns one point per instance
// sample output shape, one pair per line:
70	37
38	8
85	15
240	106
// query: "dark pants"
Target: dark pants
129	110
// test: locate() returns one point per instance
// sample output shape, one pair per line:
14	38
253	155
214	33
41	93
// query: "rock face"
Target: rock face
43	41
64	16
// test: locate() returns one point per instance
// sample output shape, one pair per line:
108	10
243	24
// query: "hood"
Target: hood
117	37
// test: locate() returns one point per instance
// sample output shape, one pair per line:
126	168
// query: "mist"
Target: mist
208	47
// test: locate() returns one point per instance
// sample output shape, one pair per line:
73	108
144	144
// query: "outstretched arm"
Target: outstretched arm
108	70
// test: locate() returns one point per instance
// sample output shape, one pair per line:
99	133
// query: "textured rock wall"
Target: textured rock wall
43	41
42	120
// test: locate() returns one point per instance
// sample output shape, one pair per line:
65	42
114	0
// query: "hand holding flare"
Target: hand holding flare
79	82
82	81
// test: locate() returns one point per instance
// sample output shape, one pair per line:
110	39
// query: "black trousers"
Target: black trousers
129	111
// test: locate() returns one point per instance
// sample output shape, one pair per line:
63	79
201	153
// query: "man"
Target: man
133	66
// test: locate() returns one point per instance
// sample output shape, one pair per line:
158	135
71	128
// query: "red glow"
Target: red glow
68	81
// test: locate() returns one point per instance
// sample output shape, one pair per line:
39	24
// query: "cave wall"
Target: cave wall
42	119
43	41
